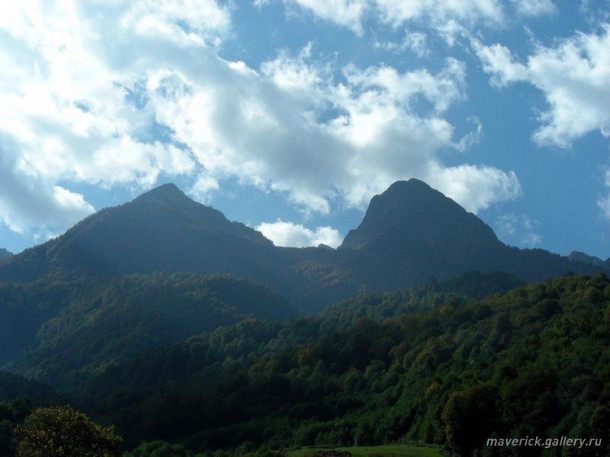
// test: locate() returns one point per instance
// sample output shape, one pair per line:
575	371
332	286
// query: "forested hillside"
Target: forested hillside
533	361
81	326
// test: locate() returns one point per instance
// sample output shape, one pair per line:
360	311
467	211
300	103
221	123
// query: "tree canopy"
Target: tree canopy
65	432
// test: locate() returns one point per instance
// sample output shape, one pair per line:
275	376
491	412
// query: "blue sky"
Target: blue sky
290	115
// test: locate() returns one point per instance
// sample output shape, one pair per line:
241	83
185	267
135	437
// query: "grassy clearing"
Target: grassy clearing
397	450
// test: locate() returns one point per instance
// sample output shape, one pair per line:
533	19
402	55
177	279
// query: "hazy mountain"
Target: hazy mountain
581	257
410	233
4	254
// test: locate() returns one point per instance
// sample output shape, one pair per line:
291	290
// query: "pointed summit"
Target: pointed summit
175	203
161	230
412	213
164	193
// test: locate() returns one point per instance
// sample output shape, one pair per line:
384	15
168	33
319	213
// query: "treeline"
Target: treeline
73	329
531	362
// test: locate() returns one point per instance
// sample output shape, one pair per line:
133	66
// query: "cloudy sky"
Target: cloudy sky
289	115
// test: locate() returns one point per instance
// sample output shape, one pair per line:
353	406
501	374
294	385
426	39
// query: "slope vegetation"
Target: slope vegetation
121	317
530	362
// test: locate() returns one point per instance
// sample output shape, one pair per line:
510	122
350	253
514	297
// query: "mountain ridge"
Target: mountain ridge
4	254
410	202
409	233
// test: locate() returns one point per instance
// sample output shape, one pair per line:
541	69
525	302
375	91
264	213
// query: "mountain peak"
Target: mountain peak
412	195
164	193
411	212
411	184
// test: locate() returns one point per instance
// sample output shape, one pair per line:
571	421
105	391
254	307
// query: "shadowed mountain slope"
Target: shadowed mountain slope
411	213
410	233
4	254
162	230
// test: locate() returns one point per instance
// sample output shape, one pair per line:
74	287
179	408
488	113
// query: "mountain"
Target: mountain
4	254
114	319
161	316
412	215
162	230
581	257
410	233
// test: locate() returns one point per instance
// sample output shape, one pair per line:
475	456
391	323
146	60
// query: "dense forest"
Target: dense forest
106	320
431	364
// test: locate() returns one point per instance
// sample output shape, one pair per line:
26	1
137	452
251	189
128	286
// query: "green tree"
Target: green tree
65	432
470	416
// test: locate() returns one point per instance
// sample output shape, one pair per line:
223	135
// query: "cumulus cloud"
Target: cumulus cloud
123	92
415	42
604	202
65	108
476	187
574	77
447	17
440	14
534	7
519	229
347	13
289	234
397	12
32	206
180	20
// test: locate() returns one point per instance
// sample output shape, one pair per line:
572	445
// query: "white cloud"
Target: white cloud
604	205
288	234
183	21
64	114
347	13
398	12
32	206
534	7
114	93
475	187
498	60
574	77
416	42
604	202
203	187
595	11
447	17
519	229
471	138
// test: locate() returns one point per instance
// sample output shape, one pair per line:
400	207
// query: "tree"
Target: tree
65	432
470	416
